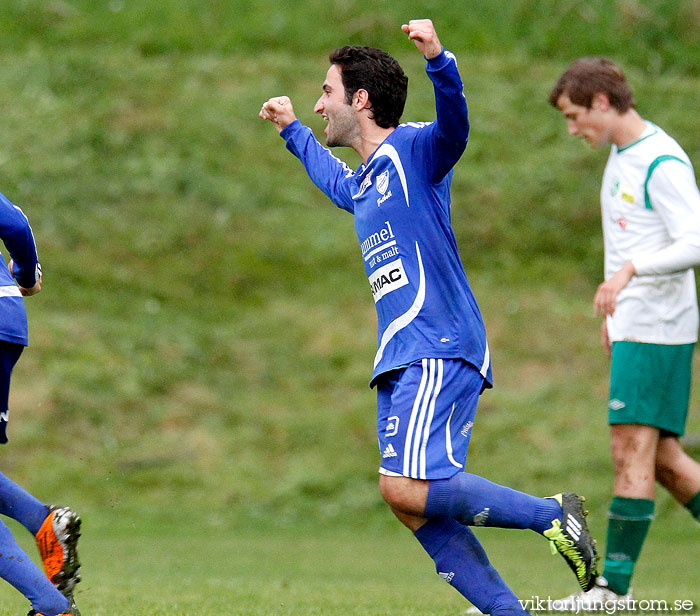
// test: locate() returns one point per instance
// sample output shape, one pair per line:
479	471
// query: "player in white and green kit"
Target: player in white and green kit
651	227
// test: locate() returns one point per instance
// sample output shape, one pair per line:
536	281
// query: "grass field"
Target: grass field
331	571
196	381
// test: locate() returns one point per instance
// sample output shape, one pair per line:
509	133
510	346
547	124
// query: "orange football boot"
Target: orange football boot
57	540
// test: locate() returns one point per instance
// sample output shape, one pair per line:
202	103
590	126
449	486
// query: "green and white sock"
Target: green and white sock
629	521
693	505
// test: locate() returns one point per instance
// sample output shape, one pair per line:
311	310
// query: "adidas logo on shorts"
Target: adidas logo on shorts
389	452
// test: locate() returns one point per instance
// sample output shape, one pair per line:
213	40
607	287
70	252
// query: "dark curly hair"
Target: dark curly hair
586	77
374	70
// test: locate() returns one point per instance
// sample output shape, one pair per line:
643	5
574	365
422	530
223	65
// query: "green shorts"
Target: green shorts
650	385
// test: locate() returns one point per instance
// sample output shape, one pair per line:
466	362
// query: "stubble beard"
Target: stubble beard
343	130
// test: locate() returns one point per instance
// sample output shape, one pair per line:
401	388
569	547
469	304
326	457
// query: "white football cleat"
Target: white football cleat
595	600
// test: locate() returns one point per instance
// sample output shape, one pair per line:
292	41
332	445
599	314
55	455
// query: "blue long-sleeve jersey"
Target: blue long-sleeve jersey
401	203
17	236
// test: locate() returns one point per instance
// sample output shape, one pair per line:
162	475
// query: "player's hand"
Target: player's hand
279	111
606	295
605	339
26	292
422	33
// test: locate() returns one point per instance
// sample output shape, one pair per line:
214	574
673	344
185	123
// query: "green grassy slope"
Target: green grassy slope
205	334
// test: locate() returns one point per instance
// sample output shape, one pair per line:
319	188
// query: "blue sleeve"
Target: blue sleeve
448	135
329	173
17	236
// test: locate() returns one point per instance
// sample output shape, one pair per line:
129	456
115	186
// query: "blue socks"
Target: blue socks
20	505
469	500
461	561
19	570
475	501
15	566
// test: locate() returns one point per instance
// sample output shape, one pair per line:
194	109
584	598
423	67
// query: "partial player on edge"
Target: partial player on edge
56	529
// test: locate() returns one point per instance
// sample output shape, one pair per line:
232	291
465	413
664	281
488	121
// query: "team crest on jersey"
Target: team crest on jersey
382	186
615	187
383	182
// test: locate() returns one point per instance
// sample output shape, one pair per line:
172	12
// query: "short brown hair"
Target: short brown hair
587	77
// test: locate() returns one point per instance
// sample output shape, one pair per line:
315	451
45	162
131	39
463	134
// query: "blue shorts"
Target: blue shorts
425	414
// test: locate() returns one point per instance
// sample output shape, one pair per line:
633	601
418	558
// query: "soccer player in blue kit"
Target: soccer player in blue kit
432	361
56	529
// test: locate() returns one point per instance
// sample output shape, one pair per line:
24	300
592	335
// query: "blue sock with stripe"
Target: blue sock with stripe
19	570
475	501
20	505
461	562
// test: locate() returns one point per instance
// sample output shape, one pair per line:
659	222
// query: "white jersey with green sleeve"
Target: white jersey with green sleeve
651	215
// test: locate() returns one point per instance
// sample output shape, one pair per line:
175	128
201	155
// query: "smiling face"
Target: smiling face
343	128
591	124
